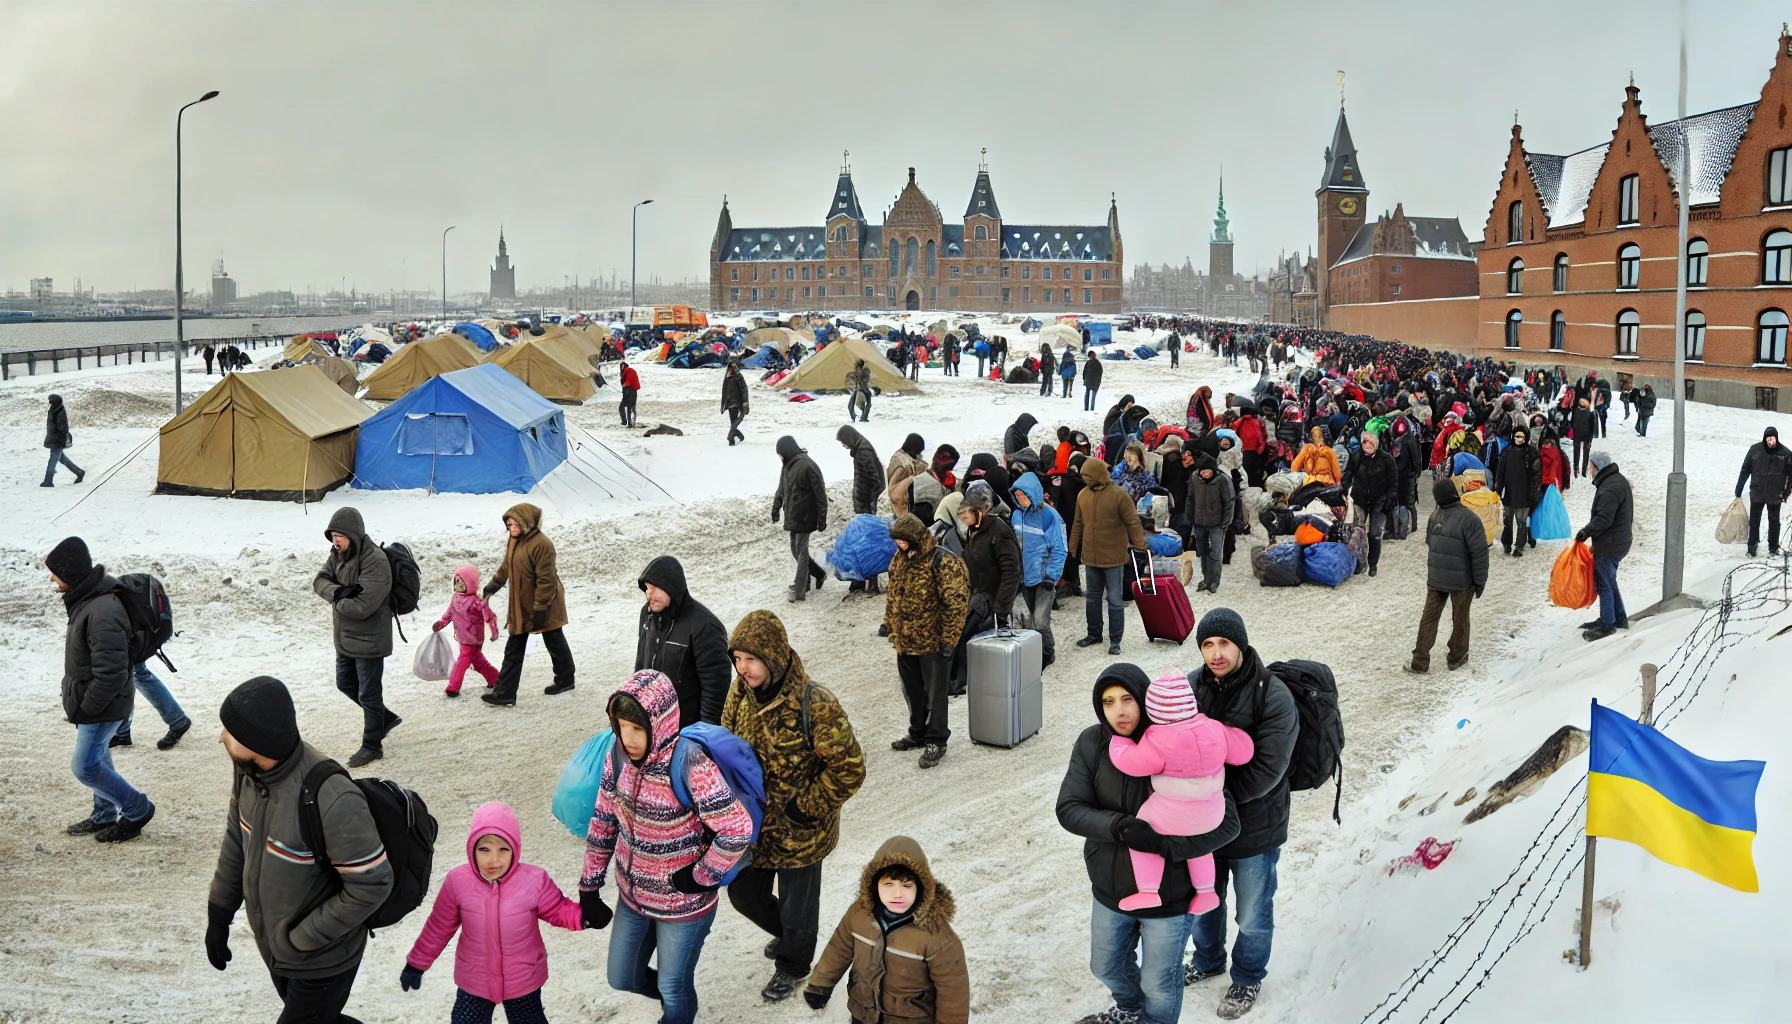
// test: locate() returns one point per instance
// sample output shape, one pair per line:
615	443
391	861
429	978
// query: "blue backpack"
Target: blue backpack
740	769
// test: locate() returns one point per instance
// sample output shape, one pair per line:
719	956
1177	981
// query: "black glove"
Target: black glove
774	516
1580	537
592	911
410	979
217	935
1119	828
486	592
344	593
817	998
685	881
796	815
1478	593
539	621
1142	837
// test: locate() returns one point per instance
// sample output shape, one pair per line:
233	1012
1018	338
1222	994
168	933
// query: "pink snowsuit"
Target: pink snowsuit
1186	754
500	955
472	618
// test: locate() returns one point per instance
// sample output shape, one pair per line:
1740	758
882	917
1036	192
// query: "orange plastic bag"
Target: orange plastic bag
1571	581
1307	533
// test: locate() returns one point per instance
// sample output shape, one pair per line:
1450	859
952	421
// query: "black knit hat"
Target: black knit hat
69	560
1223	622
259	715
1443	491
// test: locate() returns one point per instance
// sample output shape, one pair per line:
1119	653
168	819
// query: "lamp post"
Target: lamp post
445	270
634	233
1674	539
180	278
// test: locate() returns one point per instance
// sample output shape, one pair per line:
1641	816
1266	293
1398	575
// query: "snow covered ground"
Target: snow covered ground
95	933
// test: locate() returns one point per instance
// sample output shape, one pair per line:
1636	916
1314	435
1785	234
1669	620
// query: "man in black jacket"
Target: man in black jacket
57	438
1586	427
734	401
97	690
684	640
1609	528
1373	482
1519	483
1455	571
1091	378
802	501
1234	688
1767	470
991	555
1137	954
1645	408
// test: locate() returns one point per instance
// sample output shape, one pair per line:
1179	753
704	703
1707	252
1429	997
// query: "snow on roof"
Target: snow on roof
1566	182
1434	238
1085	242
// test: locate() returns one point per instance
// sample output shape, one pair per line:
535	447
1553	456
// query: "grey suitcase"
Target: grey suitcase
1007	699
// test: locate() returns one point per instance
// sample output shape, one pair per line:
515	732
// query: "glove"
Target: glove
685	881
217	935
817	998
774	516
410	979
1478	593
1580	537
796	815
344	593
437	628
1140	836
486	592
592	911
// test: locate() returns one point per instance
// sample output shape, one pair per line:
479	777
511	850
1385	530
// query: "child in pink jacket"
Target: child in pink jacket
471	617
495	900
1186	754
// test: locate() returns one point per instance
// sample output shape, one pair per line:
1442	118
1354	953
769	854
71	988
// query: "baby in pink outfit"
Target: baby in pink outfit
1186	754
471	618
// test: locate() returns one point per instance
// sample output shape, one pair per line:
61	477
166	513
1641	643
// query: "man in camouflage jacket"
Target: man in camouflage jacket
928	596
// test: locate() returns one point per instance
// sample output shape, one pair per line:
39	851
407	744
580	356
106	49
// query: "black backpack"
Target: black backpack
151	615
407	830
407	581
1319	748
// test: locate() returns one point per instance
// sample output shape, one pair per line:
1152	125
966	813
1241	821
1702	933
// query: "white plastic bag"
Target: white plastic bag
434	658
1732	526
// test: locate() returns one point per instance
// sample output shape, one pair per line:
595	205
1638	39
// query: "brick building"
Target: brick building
914	259
1221	291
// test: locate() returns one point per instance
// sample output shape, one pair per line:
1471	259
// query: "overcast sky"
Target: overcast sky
347	136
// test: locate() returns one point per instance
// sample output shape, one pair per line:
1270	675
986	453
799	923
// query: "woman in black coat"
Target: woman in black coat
57	437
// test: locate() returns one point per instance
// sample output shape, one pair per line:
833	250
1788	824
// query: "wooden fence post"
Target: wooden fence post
1648	715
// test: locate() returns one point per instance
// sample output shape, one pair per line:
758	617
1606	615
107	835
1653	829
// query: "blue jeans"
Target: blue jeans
1254	880
1611	603
56	456
1089	398
1119	942
92	765
362	681
158	696
1113	582
633	938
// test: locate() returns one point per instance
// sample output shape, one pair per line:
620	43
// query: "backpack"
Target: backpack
739	767
152	617
406	828
1319	746
407	581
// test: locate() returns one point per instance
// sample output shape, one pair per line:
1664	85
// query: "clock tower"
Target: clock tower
1343	197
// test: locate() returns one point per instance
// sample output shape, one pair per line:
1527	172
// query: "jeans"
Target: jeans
1642	424
1460	602
159	698
1376	526
627	407
1039	597
793	917
316	1000
361	680
735	415
1254	884
1064	386
1045	385
926	683
92	764
510	675
1139	959
1089	398
56	455
1611	602
1517	528
633	939
1210	544
1112	582
806	569
472	1009
1754	525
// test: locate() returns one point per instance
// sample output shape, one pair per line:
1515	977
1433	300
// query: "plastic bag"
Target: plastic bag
1485	504
1278	566
1571	581
575	796
1732	526
863	549
434	658
1549	520
1164	545
1307	533
1328	563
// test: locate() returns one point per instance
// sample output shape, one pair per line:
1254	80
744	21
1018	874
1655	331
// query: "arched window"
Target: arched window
982	233
931	270
910	254
1630	265
840	233
1771	348
1697	252
1514	223
895	258
1558	331
1776	258
1515	277
1629	326
1695	334
1514	320
1560	281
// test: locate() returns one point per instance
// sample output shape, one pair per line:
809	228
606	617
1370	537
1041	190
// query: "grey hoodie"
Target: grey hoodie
362	624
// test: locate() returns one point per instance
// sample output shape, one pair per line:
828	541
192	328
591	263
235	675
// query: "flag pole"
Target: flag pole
1647	717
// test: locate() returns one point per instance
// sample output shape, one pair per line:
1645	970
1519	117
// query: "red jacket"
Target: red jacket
631	379
1250	433
1555	466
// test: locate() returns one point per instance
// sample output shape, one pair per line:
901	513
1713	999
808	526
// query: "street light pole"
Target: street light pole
634	233
180	278
1673	567
445	270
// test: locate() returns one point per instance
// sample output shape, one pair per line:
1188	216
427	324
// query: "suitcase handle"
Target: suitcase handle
1145	576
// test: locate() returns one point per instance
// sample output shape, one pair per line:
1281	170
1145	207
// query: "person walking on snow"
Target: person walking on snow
357	582
1040	531
537	605
471	618
683	640
152	689
631	387
734	401
1609	528
867	484
858	382
1210	500
924	611
1645	408
1519	482
1102	536
58	438
1767	472
1091	380
1455	572
802	501
1066	371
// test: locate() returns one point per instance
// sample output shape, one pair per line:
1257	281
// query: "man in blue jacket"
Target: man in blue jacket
1040	531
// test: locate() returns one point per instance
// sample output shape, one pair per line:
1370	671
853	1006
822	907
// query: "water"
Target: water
19	337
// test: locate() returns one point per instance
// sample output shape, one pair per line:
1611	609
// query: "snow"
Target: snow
1566	182
92	933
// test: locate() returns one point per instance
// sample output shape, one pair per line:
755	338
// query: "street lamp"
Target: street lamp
180	279
445	270
634	232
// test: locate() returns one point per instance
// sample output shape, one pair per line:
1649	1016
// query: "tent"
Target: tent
1060	335
571	340
477	334
281	435
472	431
766	357
306	345
341	372
776	336
556	371
417	362
826	370
1100	334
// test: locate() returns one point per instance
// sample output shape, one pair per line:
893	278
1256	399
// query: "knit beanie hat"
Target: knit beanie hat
69	560
1443	491
1169	698
260	716
1600	460
1223	622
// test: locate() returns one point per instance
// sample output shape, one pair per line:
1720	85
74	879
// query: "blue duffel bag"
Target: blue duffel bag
1328	562
1164	545
1278	566
863	549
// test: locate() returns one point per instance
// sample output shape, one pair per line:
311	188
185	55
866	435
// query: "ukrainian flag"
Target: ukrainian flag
1646	789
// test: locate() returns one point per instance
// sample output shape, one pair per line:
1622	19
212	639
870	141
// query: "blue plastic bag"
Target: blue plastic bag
575	797
1549	520
1280	566
1328	562
863	549
1462	462
1164	545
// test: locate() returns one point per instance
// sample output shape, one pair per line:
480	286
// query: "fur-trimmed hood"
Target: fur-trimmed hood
934	905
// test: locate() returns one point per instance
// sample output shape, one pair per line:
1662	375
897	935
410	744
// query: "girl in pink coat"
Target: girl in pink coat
1186	754
472	617
495	901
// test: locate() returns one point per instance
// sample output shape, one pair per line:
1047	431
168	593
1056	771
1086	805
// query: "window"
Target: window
1107	274
1085	296
733	273
1004	270
1695	335
1396	289
1026	273
910	255
1630	263
981	270
895	250
1088	274
756	273
1394	268
1515	277
429	433
789	293
1766	399
868	291
1779	177
952	270
932	270
1514	223
840	233
1627	205
755	295
790	273
982	233
952	292
1776	261
805	293
734	295
1006	294
1558	330
1697	252
805	277
1514	320
1026	295
1629	324
1772	345
1047	273
1560	282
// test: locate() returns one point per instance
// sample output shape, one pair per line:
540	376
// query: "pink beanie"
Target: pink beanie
1169	699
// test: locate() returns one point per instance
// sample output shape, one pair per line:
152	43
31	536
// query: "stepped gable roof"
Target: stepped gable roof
1566	182
1057	242
1341	170
983	199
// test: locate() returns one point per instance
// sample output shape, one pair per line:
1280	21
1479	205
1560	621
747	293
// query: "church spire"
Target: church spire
1341	171
1221	226
501	249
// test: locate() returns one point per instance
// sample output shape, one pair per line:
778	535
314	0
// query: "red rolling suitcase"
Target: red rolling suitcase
1163	606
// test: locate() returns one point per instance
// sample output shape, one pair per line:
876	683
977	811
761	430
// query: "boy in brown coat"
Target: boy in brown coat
907	964
537	604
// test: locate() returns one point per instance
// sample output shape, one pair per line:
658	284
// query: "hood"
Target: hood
1134	679
469	578
347	521
947	512
909	529
1444	493
1765	434
1227	434
944	458
654	692
55	400
982	461
1318	436
496	818
762	635
1028	484
914	445
1171	443
934	906
788	448
666	573
1025	422
851	438
1206	461
526	515
1095	474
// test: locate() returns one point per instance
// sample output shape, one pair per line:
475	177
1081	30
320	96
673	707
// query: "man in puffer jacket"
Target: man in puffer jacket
1041	533
1210	512
1767	473
924	611
1519	481
1373	480
1455	572
683	639
1609	527
1103	535
357	581
802	501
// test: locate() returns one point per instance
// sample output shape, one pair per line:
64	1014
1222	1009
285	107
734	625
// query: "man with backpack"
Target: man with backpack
309	893
357	582
812	765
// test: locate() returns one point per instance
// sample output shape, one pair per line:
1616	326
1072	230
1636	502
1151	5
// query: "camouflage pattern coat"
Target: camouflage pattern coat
924	607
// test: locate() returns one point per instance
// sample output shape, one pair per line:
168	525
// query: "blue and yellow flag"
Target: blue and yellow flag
1646	789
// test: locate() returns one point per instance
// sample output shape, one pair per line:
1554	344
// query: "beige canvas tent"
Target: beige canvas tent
417	362
826	370
282	435
555	370
778	337
571	339
341	372
299	348
1059	335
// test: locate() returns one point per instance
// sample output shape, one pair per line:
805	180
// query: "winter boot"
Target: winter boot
771	950
119	739
780	988
557	688
89	826
1192	975
1205	900
1112	1015
1599	632
123	830
932	755
167	742
364	757
906	743
1238	1002
499	700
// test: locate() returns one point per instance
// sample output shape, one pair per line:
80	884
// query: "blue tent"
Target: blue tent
1100	334
477	335
473	431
